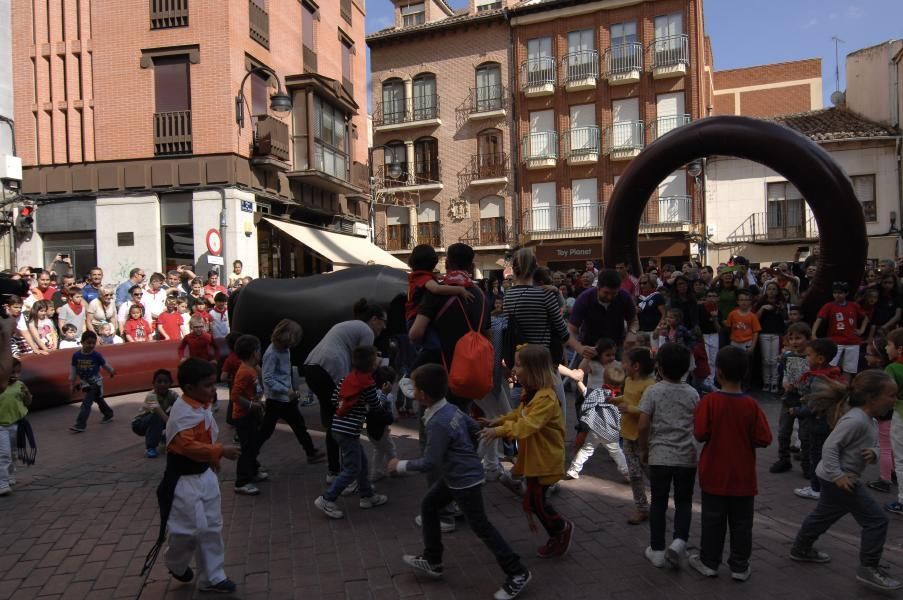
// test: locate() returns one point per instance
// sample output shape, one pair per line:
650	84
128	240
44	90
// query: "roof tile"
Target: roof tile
833	124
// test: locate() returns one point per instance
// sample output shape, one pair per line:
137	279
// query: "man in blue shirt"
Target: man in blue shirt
604	311
136	277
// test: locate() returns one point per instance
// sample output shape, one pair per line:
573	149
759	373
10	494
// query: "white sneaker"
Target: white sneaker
676	553
406	386
330	509
423	565
446	524
656	557
248	489
572	475
373	501
807	492
741	575
351	489
12	481
696	562
261	476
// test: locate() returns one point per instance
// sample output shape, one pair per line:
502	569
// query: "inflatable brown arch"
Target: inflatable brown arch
826	188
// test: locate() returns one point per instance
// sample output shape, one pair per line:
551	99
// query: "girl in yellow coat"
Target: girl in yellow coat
538	426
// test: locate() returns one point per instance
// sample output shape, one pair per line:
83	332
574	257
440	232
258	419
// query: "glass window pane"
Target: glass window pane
172	89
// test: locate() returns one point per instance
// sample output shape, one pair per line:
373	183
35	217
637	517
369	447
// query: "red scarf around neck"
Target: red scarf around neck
459	278
75	306
350	392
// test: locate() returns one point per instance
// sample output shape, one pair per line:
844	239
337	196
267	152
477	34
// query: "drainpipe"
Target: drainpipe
223	223
512	133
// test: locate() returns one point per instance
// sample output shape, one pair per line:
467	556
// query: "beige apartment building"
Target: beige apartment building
135	146
442	145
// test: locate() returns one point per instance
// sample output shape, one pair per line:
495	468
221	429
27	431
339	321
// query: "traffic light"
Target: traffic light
25	220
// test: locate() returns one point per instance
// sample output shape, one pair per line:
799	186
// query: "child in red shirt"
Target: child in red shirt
199	343
136	328
202	309
732	426
844	328
169	323
246	398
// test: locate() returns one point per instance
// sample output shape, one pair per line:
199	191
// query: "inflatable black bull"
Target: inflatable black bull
318	302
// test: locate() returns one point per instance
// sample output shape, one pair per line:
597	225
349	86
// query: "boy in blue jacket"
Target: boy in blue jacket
451	451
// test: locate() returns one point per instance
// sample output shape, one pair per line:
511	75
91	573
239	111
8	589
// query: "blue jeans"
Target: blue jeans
151	426
93	394
354	467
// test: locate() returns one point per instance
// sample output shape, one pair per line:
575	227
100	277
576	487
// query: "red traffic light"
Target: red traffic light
26	211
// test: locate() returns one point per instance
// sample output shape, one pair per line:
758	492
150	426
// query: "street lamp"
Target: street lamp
392	169
280	101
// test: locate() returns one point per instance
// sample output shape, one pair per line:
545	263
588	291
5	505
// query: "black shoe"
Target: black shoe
782	466
107	419
879	485
226	586
809	555
513	586
185	577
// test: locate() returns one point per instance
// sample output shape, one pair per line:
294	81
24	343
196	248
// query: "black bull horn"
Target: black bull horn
827	189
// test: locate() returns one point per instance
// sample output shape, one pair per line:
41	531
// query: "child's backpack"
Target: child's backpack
470	374
600	417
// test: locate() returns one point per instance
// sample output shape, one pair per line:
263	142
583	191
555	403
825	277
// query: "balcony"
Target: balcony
581	145
663	125
271	140
540	149
670	56
430	233
486	102
392	116
774	227
172	133
624	64
625	140
566	221
395	238
494	231
259	28
165	14
425	176
668	214
484	169
537	77
580	70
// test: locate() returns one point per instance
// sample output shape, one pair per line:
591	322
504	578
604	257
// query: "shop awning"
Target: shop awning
341	250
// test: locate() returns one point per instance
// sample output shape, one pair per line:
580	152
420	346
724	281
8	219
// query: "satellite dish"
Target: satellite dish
838	98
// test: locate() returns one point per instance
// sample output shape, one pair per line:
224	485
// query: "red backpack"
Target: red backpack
470	375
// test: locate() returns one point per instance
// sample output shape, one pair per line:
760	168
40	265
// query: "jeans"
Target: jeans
785	425
7	450
288	412
719	513
470	501
354	468
93	393
770	345
495	404
151	426
834	504
711	341
322	385
660	479
247	427
818	433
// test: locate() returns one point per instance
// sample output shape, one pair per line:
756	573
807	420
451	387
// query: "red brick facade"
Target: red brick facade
769	90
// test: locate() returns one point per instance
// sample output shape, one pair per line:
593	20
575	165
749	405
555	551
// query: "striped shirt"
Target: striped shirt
353	421
537	312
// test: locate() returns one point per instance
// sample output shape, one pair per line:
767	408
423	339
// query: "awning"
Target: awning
341	250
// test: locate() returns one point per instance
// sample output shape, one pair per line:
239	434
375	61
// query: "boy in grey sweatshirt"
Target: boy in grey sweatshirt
849	448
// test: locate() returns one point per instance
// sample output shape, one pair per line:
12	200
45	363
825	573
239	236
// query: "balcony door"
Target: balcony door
425	101
492	221
623	52
539	61
669	110
542	126
625	115
584	203
584	136
581	59
428	224
488	94
396	153
426	160
785	211
393	101
543	207
667	29
490	156
673	200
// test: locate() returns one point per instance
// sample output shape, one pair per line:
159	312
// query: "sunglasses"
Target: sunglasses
137	295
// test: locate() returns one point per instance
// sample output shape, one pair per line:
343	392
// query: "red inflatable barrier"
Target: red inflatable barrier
47	376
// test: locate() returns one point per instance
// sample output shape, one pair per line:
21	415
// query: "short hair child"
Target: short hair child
247	407
85	375
379	430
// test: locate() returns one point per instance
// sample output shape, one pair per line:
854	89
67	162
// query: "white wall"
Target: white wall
206	208
869	81
139	215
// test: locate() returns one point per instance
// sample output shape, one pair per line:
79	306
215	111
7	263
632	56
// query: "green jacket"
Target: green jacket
12	403
895	370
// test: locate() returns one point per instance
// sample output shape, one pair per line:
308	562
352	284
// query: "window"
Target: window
259	94
488	94
345	9
488	5
428	224
426	160
398	228
543	210
669	111
172	86
627	131
307	26
491	155
259	22
585	207
785	211
581	57
346	65
583	137
331	141
670	43
413	14
425	102
673	201
492	221
396	153
626	53
668	26
864	186
540	63
542	142
393	101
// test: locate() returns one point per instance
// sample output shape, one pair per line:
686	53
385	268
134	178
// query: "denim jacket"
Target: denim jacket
277	374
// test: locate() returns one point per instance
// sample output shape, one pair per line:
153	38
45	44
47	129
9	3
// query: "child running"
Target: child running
383	445
538	427
665	432
850	447
844	328
14	402
450	450
732	426
85	376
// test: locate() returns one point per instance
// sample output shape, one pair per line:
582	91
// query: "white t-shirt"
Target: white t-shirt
154	304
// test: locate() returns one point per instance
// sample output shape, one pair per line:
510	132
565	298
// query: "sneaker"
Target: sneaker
373	501
446	524
513	586
453	510
879	485
782	466
638	516
226	586
351	489
151	453
808	555
894	507
515	485
330	509
676	553
877	579
6	491
261	476
422	564
656	557
560	544
741	575
106	420
317	457
553	489
572	474
810	494
78	429
185	577
12	481
248	489
695	561
545	551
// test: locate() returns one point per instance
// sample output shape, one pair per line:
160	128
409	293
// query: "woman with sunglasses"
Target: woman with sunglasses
102	310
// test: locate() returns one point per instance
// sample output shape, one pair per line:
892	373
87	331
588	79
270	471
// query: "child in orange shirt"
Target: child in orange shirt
743	323
246	397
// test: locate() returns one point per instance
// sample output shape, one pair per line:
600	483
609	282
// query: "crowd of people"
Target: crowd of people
661	367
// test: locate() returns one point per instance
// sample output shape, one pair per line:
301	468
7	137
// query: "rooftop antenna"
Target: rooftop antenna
837	97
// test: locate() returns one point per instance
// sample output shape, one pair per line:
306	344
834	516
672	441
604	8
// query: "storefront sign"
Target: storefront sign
569	252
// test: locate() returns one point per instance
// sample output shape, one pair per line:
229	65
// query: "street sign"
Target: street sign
215	260
247	206
214	242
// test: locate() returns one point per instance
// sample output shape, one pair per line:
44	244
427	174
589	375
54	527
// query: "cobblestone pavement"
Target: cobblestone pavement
81	521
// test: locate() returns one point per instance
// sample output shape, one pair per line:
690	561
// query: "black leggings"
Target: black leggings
322	385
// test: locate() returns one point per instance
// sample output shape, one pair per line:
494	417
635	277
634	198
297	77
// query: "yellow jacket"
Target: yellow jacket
539	428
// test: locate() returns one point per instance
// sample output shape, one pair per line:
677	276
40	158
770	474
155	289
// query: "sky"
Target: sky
746	33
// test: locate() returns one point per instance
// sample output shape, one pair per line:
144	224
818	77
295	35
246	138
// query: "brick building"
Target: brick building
768	90
442	125
127	126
